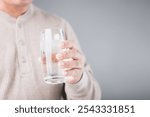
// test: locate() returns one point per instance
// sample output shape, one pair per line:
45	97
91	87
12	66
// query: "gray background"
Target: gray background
115	37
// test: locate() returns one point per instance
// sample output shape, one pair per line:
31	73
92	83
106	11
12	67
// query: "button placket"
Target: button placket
22	51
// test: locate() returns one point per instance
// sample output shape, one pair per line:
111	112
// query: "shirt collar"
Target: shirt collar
21	19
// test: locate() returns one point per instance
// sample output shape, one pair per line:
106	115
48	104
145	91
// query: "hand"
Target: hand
71	61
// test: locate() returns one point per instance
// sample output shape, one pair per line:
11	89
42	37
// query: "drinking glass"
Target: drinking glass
50	40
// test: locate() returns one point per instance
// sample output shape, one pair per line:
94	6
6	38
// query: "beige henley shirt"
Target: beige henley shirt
21	76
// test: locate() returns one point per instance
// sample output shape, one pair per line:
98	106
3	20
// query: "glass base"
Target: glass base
54	79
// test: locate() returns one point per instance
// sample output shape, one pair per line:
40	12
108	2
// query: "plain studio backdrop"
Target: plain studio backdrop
115	37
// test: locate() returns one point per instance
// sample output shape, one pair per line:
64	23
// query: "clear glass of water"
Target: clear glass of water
50	40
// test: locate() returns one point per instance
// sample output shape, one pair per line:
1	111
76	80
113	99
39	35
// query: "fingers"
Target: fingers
52	57
70	64
68	53
68	50
70	60
66	44
73	75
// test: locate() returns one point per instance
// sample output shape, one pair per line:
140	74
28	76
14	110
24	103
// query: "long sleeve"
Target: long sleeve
21	74
87	88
